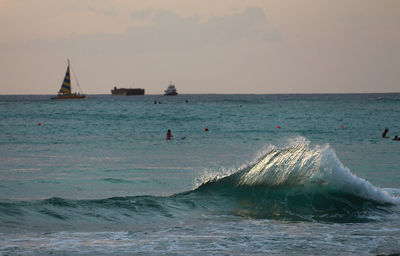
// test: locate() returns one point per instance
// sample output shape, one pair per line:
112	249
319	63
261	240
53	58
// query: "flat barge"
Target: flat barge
127	91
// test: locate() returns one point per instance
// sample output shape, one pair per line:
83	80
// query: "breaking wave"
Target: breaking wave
301	183
295	183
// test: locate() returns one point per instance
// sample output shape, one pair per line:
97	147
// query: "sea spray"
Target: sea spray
293	166
212	175
301	166
298	183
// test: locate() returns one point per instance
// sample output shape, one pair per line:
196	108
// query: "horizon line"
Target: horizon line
283	93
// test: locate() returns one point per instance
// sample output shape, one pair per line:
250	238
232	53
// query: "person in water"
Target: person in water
169	135
396	138
384	134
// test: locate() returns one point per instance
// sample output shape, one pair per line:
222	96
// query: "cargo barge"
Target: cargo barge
127	91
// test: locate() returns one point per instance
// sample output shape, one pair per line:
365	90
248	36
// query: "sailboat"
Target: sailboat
65	90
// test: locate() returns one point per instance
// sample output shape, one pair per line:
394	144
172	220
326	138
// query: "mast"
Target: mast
76	79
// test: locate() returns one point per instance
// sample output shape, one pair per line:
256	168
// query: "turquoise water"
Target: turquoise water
98	177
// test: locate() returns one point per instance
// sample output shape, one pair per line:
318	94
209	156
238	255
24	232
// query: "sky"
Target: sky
202	46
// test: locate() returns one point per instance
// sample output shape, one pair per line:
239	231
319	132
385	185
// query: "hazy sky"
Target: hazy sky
203	46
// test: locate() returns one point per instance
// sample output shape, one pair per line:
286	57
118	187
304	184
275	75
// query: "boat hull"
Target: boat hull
171	94
127	91
69	97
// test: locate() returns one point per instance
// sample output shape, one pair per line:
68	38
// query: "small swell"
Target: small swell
113	180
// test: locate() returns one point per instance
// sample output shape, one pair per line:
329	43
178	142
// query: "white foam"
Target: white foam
298	164
340	178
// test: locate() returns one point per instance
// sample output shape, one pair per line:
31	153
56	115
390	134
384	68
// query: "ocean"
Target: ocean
306	174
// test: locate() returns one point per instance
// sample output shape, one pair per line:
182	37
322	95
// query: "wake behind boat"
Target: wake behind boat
65	90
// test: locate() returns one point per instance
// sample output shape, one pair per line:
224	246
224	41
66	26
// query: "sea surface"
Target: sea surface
243	175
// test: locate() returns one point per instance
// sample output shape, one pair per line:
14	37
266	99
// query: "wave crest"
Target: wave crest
299	181
296	165
299	165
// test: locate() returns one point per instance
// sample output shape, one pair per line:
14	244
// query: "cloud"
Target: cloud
170	32
142	14
165	31
111	13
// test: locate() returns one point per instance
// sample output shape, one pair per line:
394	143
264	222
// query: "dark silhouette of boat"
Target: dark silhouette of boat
171	90
127	91
65	92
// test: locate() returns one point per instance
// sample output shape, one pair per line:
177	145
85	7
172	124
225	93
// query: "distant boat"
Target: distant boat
127	91
65	92
171	91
